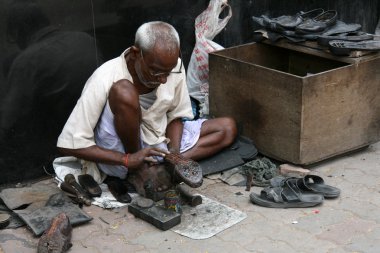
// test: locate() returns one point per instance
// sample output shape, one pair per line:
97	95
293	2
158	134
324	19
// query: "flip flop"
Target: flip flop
287	196
316	184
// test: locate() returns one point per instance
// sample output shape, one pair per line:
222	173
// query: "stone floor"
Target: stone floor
350	223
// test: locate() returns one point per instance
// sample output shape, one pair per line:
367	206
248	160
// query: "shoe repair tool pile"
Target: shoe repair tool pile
168	215
83	192
294	192
185	173
321	26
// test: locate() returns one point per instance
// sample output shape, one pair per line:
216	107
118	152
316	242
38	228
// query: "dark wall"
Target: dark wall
41	76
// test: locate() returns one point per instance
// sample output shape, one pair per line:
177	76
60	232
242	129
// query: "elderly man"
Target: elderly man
132	108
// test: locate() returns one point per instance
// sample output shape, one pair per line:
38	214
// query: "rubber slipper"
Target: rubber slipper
90	185
318	24
316	184
324	40
341	47
288	196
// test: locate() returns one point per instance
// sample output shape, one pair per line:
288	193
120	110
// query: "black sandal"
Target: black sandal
286	196
308	184
316	184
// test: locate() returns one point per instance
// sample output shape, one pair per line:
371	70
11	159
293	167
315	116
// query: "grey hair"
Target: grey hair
148	34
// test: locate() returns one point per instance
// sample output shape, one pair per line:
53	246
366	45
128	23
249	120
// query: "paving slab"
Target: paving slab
350	223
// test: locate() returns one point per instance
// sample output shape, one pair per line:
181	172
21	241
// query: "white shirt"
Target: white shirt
172	102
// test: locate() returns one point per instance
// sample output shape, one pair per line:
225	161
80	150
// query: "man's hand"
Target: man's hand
136	160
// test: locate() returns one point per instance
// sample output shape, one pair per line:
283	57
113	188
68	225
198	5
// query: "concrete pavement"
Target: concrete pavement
350	223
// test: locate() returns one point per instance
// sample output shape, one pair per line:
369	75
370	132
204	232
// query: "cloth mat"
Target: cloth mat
207	219
261	170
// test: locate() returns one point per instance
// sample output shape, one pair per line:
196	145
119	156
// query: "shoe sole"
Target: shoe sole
256	199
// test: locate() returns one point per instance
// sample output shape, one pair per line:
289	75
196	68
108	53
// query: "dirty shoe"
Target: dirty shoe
185	170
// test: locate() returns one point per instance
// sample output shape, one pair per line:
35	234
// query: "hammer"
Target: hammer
188	197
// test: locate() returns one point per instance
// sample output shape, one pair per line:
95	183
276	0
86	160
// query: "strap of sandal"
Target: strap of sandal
273	193
289	192
303	183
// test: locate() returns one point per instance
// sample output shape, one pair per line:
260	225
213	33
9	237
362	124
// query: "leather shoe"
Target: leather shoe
318	24
118	188
90	185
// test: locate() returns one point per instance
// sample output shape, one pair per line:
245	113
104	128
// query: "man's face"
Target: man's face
153	72
144	76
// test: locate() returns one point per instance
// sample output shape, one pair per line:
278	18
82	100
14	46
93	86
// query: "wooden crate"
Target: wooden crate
298	104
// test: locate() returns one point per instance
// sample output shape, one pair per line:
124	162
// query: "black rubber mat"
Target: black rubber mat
241	151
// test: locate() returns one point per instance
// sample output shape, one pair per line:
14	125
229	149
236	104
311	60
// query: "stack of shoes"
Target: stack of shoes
286	22
310	25
293	192
118	189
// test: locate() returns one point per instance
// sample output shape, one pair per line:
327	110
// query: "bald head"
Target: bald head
157	34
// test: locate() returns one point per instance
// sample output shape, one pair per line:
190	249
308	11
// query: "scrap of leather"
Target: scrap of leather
56	239
38	204
34	196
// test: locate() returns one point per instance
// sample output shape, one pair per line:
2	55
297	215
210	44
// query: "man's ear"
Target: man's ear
135	51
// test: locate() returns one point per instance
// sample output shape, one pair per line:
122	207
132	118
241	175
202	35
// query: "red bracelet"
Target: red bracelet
125	159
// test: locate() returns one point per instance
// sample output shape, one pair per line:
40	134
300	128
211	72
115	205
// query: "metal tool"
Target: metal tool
187	196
